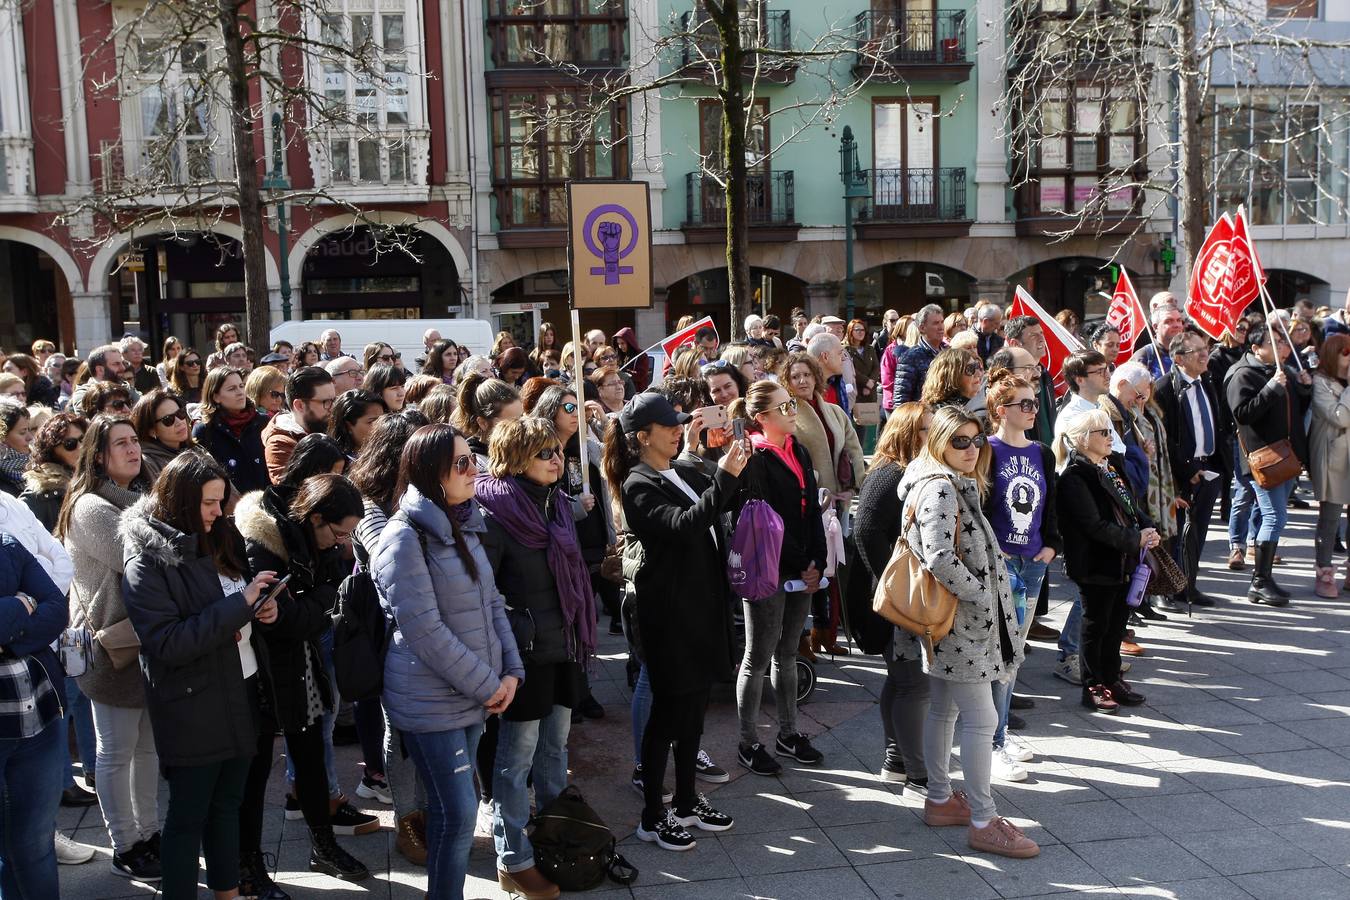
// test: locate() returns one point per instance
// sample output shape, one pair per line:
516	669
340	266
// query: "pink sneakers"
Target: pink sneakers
953	811
1002	838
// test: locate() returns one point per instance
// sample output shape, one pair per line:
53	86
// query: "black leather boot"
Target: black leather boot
1263	588
327	857
255	880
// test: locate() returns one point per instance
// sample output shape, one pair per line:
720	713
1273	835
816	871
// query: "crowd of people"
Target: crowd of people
175	539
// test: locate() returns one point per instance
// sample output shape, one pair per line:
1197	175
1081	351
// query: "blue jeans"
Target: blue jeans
329	720
1032	574
30	776
1274	506
642	711
539	745
1244	519
445	760
81	713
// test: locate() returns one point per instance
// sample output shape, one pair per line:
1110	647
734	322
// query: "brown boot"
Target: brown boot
832	645
807	646
410	842
528	883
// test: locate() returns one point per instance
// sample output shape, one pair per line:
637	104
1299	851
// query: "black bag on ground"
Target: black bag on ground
573	847
360	638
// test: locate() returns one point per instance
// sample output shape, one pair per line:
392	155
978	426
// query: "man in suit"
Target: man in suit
1196	432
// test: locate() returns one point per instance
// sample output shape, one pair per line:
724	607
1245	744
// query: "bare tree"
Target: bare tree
195	81
729	51
1131	101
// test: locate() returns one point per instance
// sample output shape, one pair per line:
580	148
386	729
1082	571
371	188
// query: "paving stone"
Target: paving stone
1127	862
1243	851
928	879
798	850
1305	884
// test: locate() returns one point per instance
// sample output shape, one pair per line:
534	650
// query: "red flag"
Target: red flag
1245	274
1060	345
1219	282
1127	315
685	336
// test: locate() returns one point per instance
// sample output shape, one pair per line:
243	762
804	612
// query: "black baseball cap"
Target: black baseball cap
650	409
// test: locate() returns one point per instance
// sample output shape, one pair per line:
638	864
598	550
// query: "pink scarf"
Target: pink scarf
784	453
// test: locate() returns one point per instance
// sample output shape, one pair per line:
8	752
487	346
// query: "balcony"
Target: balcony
16	174
769	198
908	203
912	46
701	48
165	172
388	166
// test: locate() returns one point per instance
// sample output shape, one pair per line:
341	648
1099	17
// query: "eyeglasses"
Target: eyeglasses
191	363
1026	406
569	408
168	420
965	442
340	537
973	369
608	358
612	384
71	444
1034	367
787	407
356	372
1104	370
326	404
464	463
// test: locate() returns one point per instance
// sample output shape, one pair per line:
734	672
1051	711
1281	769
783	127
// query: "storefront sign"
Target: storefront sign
609	245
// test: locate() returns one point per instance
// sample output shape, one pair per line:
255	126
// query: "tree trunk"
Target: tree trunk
732	96
257	308
1193	200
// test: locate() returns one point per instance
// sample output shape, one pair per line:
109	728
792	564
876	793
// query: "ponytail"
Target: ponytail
622	452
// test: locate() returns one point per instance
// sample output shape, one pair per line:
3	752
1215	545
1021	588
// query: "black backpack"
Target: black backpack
573	847
361	634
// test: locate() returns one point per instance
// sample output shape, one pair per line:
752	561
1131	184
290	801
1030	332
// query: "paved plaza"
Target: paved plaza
1232	782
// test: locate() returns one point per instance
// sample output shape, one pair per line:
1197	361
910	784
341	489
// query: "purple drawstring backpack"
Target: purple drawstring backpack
756	546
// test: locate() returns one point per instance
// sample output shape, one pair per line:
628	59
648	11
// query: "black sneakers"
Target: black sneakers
755	758
796	746
707	770
667	834
666	794
348	820
139	863
703	816
327	857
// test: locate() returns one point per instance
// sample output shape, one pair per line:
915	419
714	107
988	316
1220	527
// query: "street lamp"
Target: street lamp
855	187
276	181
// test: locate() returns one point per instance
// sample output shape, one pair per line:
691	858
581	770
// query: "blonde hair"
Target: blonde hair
944	375
259	381
1076	431
946	422
736	354
899	442
964	340
514	444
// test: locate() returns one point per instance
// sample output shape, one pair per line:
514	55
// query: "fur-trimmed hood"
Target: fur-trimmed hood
143	534
47	477
257	523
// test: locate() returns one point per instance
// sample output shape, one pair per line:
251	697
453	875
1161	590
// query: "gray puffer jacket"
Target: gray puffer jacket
452	642
970	567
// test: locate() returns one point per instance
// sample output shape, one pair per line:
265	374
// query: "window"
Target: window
178	131
1292	9
16	135
1278	157
537	149
904	154
1088	143
373	119
541	32
759	185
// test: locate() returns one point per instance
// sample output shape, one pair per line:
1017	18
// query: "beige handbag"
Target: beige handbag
910	597
118	640
867	412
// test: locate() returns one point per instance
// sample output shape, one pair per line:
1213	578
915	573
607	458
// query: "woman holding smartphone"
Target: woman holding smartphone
192	609
779	472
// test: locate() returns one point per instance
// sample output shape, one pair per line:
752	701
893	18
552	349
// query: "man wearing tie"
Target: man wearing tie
1195	432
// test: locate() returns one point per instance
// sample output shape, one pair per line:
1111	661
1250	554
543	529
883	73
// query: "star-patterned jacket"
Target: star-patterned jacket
968	562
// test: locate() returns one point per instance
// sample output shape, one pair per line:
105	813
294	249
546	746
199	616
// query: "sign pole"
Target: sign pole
578	376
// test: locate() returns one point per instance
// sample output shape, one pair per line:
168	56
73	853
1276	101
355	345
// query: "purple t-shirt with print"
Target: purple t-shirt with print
1017	494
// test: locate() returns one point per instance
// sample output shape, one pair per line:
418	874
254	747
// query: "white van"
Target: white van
404	335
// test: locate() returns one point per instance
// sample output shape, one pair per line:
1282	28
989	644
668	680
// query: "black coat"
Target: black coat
767	478
683	598
876	525
274	543
1101	536
241	456
44	393
1167	393
195	691
1265	412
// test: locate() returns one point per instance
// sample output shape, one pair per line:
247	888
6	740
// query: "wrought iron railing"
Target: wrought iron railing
915	195
769	199
910	37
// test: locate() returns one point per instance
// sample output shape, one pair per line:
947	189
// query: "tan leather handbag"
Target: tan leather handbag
910	597
1275	463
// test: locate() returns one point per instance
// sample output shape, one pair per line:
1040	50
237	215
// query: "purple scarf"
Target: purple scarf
518	514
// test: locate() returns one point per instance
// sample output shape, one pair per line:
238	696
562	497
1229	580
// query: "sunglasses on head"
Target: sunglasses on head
168	420
965	442
1026	406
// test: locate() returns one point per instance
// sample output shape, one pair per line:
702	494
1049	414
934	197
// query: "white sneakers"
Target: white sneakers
1069	670
1006	768
70	853
1017	750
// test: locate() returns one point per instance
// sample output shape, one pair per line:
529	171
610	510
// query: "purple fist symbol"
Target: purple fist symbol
610	232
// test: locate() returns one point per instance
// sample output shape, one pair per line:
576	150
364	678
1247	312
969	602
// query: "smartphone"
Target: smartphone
738	429
272	594
714	417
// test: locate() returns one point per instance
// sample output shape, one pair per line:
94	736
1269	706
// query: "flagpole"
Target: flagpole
1268	302
1152	338
579	376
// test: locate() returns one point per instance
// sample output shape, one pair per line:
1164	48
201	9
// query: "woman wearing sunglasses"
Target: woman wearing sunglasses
780	473
55	450
1020	506
452	656
944	524
161	422
956	378
301	530
531	543
184	375
1104	530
